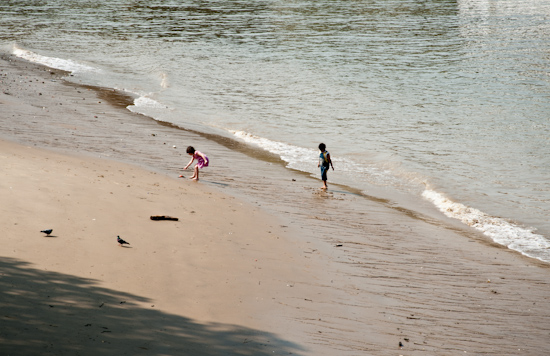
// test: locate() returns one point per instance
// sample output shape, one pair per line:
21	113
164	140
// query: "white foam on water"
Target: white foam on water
146	102
305	160
53	62
295	156
513	236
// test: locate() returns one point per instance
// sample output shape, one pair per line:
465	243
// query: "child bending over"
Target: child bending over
202	161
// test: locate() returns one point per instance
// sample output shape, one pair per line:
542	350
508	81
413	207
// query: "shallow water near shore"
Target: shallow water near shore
441	104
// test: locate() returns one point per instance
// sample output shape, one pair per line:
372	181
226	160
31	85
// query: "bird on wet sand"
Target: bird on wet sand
121	241
47	232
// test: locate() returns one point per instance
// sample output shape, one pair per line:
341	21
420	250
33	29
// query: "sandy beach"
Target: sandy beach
230	277
202	280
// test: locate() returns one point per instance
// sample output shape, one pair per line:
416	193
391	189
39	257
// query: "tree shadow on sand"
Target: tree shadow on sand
50	313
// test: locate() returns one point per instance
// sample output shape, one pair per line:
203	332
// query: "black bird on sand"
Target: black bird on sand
121	241
47	232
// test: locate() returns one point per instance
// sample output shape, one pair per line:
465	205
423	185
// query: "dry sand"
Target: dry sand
228	278
200	285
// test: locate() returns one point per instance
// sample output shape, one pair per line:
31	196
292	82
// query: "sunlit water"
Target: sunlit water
446	100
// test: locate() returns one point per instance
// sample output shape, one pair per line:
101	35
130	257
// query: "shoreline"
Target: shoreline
118	145
366	283
184	270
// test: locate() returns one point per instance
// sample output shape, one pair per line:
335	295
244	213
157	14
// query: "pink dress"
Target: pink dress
200	161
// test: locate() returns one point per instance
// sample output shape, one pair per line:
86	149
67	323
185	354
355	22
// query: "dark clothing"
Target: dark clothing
325	164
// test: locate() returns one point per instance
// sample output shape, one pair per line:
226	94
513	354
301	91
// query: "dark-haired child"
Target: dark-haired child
202	161
324	162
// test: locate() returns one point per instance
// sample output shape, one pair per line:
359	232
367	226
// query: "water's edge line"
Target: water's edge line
481	221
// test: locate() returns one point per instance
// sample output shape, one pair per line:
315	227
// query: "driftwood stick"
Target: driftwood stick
163	217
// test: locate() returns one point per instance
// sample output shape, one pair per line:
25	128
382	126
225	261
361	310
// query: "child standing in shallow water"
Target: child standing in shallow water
202	161
324	162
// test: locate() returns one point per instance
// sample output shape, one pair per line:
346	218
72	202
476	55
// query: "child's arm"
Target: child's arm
188	164
330	161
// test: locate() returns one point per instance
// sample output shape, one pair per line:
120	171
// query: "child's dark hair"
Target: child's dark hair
190	149
322	147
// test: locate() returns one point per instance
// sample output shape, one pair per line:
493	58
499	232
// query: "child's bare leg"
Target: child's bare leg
325	185
196	173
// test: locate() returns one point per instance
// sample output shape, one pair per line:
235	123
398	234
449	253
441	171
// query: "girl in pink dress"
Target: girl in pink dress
202	161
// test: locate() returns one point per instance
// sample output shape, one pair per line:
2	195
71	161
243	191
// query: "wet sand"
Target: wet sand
260	262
